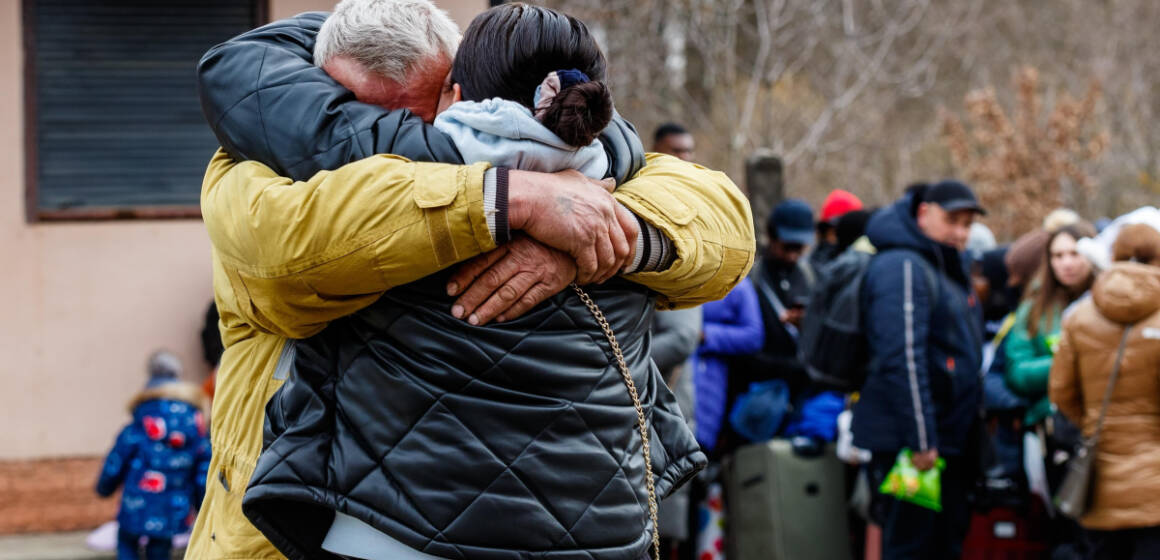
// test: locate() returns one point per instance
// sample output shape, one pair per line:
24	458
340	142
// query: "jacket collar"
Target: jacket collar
894	227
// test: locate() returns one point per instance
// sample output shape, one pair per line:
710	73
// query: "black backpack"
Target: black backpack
832	346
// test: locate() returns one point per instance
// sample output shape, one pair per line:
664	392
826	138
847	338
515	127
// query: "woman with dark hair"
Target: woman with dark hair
528	92
405	433
1030	347
1064	277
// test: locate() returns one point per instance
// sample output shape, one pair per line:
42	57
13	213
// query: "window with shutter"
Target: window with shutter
114	127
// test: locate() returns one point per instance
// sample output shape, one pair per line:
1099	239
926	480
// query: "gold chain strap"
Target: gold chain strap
641	422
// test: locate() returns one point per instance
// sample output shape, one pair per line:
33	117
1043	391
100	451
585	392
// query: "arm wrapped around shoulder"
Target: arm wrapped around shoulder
707	218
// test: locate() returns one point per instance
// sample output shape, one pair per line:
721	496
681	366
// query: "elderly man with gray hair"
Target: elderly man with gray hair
309	225
391	54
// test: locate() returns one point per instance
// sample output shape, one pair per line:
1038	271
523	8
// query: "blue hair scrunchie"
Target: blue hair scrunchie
571	77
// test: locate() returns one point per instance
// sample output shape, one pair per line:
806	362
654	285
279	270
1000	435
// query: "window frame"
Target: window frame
32	212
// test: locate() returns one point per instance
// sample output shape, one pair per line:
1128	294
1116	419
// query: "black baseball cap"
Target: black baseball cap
953	196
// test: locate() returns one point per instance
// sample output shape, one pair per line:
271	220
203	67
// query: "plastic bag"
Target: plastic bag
921	488
757	415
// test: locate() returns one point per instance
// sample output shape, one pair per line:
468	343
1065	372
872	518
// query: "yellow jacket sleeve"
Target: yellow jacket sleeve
708	220
297	255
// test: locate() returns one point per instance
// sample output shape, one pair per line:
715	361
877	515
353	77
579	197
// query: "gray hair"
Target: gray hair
387	37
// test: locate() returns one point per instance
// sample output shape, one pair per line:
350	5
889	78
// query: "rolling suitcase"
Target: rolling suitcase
785	507
1006	533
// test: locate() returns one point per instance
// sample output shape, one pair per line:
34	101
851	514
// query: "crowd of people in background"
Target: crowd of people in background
986	361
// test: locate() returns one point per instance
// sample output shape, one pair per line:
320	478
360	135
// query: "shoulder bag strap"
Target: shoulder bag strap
642	423
1112	382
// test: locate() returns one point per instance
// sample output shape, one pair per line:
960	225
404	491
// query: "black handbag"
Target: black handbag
1074	496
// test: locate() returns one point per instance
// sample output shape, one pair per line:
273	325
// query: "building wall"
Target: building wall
86	302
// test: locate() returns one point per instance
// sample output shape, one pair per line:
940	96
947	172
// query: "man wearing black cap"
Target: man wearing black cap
924	331
783	280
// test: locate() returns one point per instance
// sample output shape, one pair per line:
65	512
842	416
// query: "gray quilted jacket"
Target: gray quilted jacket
516	440
510	441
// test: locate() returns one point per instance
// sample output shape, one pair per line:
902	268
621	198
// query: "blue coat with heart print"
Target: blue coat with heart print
161	459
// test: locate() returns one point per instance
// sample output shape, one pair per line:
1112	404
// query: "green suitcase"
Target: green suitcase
785	507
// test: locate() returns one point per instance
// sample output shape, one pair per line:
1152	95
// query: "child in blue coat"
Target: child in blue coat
161	458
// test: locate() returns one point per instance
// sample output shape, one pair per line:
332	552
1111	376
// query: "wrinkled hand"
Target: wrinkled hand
577	215
925	460
505	283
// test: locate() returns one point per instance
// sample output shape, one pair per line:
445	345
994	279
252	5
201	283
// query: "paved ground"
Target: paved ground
50	546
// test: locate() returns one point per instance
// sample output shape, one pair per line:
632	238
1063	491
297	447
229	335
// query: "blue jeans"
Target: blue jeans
156	548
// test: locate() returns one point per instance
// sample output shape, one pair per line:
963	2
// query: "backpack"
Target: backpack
832	345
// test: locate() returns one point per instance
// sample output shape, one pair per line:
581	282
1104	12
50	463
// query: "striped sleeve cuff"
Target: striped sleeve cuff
654	251
495	204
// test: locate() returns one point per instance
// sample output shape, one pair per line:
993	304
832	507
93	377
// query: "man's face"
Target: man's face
948	228
677	145
422	93
448	93
827	233
783	252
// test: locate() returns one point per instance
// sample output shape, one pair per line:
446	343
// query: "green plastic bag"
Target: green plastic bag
921	488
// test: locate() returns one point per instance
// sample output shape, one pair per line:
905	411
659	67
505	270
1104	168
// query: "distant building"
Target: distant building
102	147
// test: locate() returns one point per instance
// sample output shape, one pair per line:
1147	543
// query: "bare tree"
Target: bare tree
848	92
1028	161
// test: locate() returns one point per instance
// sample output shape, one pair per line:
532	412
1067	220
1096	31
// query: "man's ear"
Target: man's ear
922	210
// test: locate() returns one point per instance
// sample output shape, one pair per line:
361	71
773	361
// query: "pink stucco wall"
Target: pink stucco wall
83	304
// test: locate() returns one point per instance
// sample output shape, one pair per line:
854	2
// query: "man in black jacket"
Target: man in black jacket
783	280
924	332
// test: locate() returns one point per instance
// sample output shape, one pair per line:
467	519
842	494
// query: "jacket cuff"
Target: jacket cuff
654	251
495	204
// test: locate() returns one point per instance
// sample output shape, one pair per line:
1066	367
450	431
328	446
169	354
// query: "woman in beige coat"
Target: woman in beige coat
1124	514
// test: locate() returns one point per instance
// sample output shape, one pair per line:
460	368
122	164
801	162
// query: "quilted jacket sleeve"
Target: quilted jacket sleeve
707	218
1064	388
299	254
266	101
898	311
116	465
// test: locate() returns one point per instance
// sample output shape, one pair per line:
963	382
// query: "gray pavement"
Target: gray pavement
52	546
48	546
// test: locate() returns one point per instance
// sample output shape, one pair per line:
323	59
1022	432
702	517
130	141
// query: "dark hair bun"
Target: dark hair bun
579	113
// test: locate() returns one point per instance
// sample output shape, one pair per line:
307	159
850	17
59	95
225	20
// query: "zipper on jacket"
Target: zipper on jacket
285	359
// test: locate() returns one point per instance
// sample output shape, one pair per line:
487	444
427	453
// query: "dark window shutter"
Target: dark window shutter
118	124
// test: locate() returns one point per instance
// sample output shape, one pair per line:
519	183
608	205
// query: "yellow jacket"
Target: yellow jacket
289	257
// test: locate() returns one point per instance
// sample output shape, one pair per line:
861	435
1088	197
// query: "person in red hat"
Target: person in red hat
837	204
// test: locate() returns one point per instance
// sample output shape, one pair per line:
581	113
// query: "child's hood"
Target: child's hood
505	119
506	133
